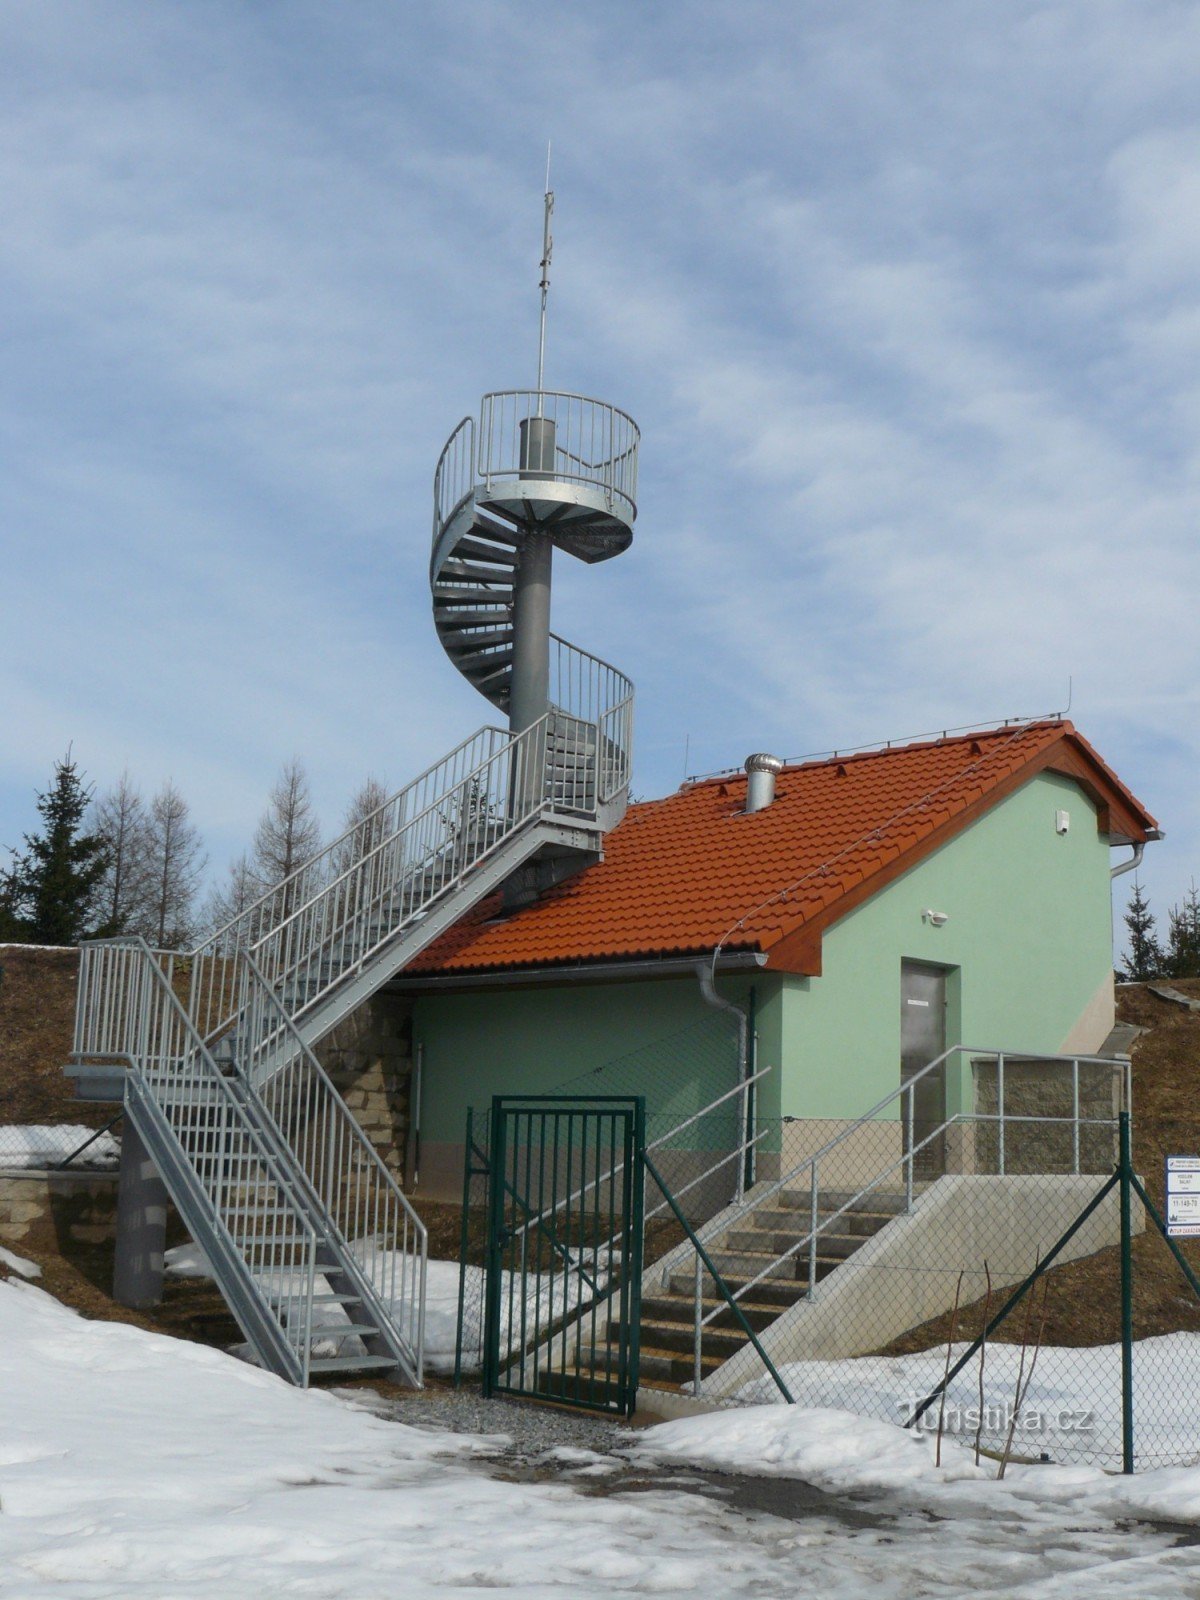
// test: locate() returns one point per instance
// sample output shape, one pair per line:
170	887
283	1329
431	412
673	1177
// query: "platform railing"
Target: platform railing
454	477
595	443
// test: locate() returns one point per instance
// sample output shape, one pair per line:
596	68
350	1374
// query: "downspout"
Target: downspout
708	990
1135	859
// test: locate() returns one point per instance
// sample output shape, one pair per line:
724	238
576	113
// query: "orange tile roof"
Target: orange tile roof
686	873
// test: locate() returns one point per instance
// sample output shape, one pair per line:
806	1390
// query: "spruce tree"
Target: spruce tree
1145	959
53	887
12	921
1183	936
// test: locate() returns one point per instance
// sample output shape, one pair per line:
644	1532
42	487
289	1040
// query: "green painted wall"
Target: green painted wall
1029	940
531	1041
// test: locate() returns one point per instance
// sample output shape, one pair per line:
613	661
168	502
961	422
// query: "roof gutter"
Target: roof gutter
1139	850
589	972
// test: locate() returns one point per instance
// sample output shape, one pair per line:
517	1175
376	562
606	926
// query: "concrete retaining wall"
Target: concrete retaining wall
907	1273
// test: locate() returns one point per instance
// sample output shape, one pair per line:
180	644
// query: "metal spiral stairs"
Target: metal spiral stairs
316	1249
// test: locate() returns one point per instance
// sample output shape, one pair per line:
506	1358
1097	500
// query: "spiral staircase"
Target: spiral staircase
316	1249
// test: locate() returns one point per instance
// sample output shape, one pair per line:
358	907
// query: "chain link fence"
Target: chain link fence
48	1147
994	1306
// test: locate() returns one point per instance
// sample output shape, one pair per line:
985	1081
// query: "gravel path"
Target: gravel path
533	1429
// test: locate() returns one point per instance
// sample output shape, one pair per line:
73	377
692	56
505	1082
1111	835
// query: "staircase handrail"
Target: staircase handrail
393	883
1117	1065
768	1192
583	684
137	1016
488	735
379	1228
455	470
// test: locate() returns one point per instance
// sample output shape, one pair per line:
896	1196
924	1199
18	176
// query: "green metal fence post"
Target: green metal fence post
463	1246
495	1245
635	1158
1126	1173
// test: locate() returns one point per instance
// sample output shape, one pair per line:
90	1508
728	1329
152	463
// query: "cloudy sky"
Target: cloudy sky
906	300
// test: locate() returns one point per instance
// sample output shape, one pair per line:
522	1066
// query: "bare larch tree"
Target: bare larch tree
126	891
176	862
288	833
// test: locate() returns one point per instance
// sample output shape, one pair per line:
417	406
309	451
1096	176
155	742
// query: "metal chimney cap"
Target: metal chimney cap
761	770
762	762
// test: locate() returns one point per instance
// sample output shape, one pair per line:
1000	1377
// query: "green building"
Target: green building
863	912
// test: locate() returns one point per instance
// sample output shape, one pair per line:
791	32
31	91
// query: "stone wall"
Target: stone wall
369	1058
55	1209
1040	1089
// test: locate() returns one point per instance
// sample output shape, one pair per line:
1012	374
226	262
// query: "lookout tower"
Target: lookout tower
537	470
227	1081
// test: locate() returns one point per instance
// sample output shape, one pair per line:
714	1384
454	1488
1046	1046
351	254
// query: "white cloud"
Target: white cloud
904	300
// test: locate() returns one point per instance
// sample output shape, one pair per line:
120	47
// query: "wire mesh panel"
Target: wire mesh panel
563	1260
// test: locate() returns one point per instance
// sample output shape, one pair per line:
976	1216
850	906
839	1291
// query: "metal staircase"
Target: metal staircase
300	1218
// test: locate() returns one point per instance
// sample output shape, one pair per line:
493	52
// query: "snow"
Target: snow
186	1261
441	1306
843	1452
133	1465
61	948
19	1265
32	1145
1071	1413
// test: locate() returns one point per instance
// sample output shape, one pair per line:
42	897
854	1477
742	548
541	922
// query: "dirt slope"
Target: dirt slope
37	1018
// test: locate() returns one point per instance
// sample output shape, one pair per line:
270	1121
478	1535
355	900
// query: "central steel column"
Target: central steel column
530	694
141	1225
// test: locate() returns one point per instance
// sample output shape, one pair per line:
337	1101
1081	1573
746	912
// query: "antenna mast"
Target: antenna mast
547	250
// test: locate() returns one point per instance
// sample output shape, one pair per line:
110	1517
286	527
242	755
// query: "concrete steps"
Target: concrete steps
753	1246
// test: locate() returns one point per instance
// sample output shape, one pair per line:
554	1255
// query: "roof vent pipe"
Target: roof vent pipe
762	771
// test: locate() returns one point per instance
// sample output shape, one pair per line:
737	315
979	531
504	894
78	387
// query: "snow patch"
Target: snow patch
25	1146
19	1265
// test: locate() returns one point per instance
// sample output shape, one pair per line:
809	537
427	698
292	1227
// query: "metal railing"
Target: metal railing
329	919
594	443
918	1140
282	1164
584	685
430	788
361	1206
454	477
239	1196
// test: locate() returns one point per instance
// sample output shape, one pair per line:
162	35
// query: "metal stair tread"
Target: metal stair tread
323	1299
319	1364
347	1330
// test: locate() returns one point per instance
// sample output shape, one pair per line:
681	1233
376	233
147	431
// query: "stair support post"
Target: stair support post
141	1225
529	696
530	693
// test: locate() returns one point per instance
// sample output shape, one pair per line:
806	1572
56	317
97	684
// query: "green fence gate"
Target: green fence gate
564	1250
